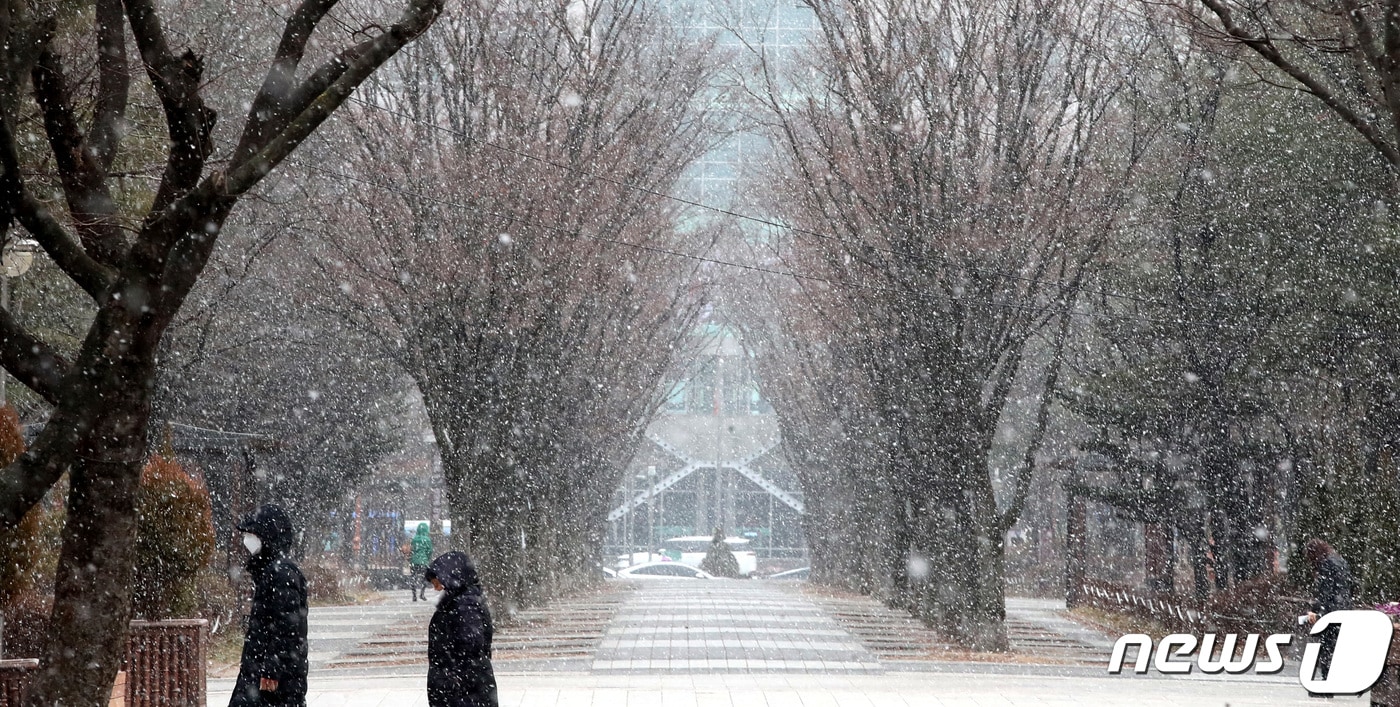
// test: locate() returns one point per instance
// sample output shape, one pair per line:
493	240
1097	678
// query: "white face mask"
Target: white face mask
252	542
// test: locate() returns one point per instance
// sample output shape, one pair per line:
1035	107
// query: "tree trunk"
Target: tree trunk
1159	560
87	630
978	617
1076	540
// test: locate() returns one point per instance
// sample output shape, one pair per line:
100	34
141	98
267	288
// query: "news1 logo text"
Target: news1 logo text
1362	642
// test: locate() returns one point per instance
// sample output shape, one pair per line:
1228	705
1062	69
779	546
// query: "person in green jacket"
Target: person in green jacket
419	556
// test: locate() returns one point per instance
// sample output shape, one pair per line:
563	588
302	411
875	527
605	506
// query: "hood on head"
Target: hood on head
271	524
422	530
455	570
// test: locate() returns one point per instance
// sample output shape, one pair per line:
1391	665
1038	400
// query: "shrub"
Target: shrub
1261	605
29	551
26	625
323	585
175	538
720	560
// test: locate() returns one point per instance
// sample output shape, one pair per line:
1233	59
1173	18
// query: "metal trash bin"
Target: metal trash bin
14	678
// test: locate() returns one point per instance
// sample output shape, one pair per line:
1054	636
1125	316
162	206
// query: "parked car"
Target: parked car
641	558
799	573
691	549
663	570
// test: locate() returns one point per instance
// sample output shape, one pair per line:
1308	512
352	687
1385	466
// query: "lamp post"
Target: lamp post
15	260
651	509
627	528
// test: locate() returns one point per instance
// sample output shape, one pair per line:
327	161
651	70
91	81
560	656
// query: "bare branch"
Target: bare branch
65	250
350	69
93	277
1264	47
113	83
177	82
275	102
84	178
30	360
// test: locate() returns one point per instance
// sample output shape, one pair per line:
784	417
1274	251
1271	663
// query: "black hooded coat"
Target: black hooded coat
1333	587
275	647
459	638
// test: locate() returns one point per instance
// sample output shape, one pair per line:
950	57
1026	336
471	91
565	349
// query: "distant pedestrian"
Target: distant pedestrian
1333	589
459	637
273	668
419	555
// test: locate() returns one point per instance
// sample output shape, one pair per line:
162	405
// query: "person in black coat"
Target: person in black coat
1333	588
459	637
273	669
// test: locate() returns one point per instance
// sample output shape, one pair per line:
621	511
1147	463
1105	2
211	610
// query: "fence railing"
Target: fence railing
1169	611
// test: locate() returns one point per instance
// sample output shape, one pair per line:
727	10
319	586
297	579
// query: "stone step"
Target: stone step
571	629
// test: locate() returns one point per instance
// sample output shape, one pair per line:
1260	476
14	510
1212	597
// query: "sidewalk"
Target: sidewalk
966	689
726	626
731	643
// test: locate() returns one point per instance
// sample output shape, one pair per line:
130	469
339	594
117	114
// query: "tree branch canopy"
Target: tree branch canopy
182	223
102	400
84	178
1354	102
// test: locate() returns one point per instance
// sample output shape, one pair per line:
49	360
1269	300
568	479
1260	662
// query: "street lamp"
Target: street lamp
15	260
651	509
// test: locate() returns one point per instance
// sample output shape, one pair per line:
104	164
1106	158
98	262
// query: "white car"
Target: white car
799	573
663	570
692	549
641	558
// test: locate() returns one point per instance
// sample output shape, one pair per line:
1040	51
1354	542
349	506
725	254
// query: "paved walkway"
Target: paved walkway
788	690
726	626
334	631
732	644
1039	631
1040	627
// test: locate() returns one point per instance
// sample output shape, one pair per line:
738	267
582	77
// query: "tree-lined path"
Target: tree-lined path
737	643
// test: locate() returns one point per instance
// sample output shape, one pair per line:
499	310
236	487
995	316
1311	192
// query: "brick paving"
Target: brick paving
1039	631
1042	628
333	631
813	690
726	626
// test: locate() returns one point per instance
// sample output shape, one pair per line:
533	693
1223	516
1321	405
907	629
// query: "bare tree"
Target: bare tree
523	264
943	169
1265	391
136	262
